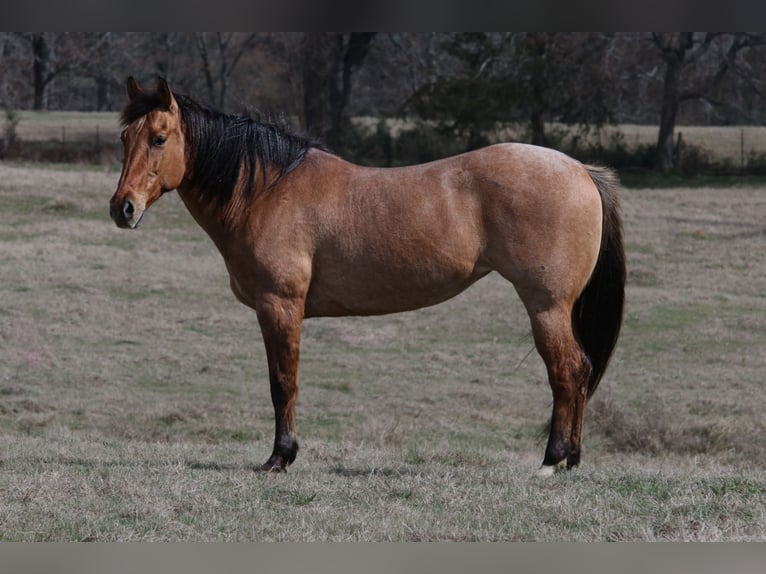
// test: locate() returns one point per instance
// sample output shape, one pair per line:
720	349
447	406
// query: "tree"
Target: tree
66	59
12	59
561	77
682	53
469	99
532	78
329	62
220	54
45	64
106	58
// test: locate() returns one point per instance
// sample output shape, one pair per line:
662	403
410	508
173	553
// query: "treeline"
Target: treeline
453	89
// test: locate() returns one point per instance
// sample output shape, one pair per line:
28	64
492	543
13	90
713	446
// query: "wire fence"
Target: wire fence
93	137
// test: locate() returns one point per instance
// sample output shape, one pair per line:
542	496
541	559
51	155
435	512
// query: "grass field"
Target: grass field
134	398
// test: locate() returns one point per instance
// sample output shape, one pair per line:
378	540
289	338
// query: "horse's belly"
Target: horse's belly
377	292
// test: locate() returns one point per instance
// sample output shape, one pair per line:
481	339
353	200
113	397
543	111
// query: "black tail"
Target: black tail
597	313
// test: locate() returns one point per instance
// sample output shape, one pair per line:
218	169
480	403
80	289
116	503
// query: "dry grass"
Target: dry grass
134	396
66	125
60	487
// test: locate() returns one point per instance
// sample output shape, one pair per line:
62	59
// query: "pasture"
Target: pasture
134	396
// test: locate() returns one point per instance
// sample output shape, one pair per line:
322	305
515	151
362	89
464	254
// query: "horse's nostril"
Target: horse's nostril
128	209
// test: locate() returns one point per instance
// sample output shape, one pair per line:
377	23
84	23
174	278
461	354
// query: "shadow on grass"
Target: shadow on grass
192	464
216	466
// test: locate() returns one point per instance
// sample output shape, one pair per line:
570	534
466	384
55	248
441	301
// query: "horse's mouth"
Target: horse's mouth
135	221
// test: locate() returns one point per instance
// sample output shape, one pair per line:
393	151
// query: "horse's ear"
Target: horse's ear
164	93
134	90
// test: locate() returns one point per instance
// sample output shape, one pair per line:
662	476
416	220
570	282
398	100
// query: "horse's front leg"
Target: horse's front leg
280	320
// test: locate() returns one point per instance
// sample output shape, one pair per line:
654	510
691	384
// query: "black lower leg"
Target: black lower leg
283	455
556	450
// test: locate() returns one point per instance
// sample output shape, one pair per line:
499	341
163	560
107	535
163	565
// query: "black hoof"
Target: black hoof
573	460
282	457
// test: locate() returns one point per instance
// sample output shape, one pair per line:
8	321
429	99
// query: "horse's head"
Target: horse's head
154	152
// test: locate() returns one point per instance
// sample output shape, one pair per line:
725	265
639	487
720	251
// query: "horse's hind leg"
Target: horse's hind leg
568	373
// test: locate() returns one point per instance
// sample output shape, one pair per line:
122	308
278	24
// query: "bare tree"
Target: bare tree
12	60
683	51
106	57
330	61
45	63
220	53
65	58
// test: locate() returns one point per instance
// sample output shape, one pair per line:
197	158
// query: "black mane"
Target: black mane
223	146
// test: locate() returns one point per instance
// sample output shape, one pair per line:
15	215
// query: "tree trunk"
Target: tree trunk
103	96
206	67
670	101
315	82
536	119
350	55
41	58
537	43
329	62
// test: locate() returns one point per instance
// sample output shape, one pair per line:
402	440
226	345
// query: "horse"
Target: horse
304	233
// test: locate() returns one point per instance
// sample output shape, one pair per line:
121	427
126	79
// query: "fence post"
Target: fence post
742	148
679	145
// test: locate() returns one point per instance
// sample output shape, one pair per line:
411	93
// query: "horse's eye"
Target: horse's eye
159	141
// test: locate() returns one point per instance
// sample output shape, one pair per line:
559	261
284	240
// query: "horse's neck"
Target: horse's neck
208	217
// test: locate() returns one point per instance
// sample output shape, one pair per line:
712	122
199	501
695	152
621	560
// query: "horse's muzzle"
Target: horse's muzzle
127	215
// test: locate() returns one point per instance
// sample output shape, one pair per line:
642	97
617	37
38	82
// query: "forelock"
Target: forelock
139	107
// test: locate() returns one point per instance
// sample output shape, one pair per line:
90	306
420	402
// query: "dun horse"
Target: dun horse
306	234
